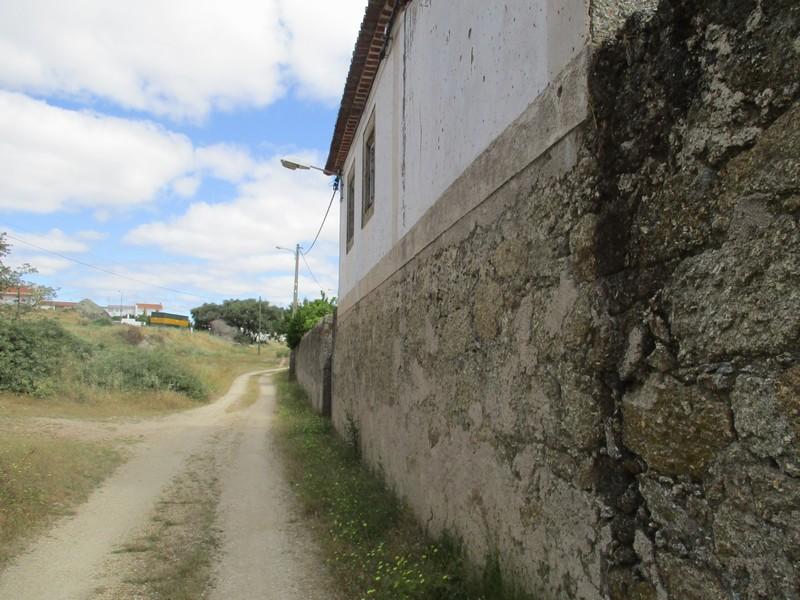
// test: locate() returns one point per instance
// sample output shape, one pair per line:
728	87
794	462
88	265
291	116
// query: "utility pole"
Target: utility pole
296	272
258	343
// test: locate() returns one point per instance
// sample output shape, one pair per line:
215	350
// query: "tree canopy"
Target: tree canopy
242	314
308	314
10	277
15	277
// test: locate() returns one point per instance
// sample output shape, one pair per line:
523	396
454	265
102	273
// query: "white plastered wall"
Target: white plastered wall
455	77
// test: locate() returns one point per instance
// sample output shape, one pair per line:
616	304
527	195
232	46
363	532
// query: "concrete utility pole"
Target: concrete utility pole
258	343
296	271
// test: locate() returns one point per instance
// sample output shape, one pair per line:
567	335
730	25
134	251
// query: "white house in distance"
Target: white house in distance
140	309
121	310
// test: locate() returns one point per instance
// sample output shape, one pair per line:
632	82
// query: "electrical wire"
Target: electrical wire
310	272
325	218
106	271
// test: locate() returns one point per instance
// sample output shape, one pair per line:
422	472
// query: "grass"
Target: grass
375	547
42	478
137	371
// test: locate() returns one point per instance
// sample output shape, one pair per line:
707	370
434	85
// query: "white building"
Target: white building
430	89
121	310
140	309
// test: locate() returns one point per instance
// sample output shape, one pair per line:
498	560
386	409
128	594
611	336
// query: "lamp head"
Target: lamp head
293	166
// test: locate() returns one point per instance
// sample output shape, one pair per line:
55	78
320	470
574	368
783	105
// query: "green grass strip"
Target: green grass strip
375	548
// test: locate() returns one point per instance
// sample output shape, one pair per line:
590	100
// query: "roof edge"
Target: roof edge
367	57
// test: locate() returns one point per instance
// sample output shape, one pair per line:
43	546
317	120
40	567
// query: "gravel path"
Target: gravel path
265	553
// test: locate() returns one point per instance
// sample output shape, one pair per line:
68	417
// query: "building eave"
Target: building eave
367	57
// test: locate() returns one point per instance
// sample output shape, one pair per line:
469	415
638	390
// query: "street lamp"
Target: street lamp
294	166
296	253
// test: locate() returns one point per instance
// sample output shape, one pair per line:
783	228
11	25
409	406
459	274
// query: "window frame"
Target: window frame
350	215
369	167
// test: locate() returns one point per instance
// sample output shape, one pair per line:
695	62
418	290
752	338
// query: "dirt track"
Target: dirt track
265	551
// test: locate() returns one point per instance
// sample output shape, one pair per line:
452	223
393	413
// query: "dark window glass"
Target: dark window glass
351	207
368	203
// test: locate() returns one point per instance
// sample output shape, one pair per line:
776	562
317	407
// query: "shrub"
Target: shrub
303	320
132	335
32	354
133	369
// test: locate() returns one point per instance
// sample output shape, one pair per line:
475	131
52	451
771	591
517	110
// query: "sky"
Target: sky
144	138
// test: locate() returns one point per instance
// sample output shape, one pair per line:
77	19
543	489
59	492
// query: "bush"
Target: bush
132	335
32	354
303	320
133	369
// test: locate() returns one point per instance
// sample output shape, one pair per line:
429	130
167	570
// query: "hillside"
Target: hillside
65	365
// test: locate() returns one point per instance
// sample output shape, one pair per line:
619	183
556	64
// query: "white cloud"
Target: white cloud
322	35
276	208
91	235
44	264
224	161
236	241
214	282
54	240
181	58
186	187
55	158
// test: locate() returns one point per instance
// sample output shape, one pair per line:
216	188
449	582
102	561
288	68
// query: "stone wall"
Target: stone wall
594	376
312	364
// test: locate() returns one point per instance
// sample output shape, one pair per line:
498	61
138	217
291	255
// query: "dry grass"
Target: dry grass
172	558
43	478
216	362
95	405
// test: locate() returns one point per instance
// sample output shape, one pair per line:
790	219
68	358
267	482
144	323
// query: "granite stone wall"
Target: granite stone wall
594	376
312	364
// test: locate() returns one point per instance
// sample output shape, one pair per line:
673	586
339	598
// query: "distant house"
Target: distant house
58	305
19	295
144	309
121	310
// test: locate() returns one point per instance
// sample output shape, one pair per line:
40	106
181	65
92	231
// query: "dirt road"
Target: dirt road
265	552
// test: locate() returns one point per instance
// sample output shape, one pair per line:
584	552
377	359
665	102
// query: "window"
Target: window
368	191
351	207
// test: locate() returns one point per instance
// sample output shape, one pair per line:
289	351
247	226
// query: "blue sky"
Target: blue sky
144	138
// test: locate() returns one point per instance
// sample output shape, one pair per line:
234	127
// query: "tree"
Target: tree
14	278
203	315
303	320
9	277
244	315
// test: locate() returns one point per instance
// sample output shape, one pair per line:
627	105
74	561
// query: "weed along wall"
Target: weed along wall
593	376
313	364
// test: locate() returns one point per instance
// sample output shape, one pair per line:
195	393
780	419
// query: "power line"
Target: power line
106	271
310	272
325	218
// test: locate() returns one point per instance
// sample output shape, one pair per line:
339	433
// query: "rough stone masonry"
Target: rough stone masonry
594	377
